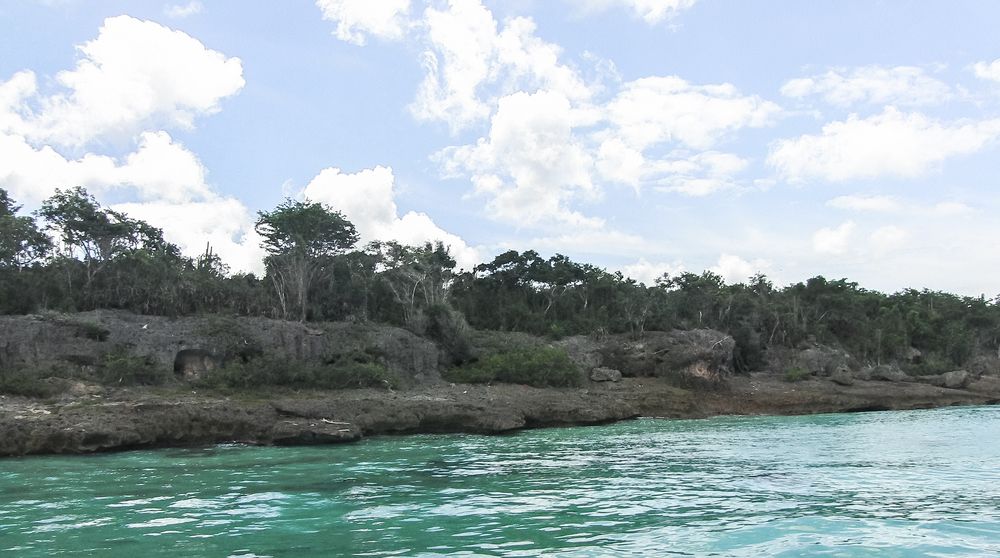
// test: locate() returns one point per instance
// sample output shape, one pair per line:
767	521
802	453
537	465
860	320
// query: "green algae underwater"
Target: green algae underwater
911	483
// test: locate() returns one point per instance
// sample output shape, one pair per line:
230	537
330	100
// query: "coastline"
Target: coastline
145	418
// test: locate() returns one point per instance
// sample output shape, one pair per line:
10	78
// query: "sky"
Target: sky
856	139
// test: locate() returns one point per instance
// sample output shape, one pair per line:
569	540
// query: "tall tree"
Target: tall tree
21	241
94	234
301	238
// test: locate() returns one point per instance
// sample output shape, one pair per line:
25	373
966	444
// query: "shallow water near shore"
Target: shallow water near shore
912	483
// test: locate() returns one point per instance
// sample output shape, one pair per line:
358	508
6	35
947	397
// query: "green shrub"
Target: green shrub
344	372
796	374
121	367
30	383
540	367
930	364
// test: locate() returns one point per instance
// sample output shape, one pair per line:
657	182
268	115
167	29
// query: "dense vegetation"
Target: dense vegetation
74	255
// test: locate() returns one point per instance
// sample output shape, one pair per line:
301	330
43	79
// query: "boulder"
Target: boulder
842	376
307	432
820	360
889	373
956	379
603	374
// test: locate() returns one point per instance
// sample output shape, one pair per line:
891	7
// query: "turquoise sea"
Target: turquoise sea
916	483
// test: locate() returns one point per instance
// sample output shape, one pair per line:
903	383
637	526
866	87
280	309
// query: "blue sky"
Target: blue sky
848	139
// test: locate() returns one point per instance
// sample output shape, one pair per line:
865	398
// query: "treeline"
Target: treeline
75	255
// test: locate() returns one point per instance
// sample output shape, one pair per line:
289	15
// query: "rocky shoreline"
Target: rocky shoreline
89	359
124	419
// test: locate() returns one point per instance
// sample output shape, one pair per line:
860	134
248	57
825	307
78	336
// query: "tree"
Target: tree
301	238
95	234
21	241
417	276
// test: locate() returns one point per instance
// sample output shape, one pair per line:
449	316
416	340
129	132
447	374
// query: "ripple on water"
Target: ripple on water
896	484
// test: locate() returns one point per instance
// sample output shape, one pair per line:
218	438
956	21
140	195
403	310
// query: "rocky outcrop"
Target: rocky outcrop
86	339
127	419
694	358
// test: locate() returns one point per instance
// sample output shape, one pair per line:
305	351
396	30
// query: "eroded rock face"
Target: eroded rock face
696	358
85	339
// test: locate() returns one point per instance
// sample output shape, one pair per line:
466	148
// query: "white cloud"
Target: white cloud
889	204
950	209
892	143
988	70
735	269
648	272
134	76
367	199
901	85
223	223
700	174
470	62
655	110
356	19
833	241
531	165
651	11
180	11
866	203
888	238
159	169
596	240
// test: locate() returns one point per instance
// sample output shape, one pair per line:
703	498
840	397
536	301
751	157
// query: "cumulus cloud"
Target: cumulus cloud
357	19
531	165
700	174
471	61
988	70
180	11
367	199
159	169
834	241
655	110
892	143
668	111
900	85
888	238
735	269
136	75
651	11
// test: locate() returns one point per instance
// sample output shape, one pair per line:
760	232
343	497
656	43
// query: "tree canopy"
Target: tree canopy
94	257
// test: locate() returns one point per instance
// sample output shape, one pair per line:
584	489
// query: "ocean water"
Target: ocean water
916	483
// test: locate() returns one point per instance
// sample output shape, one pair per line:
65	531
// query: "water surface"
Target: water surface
918	483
